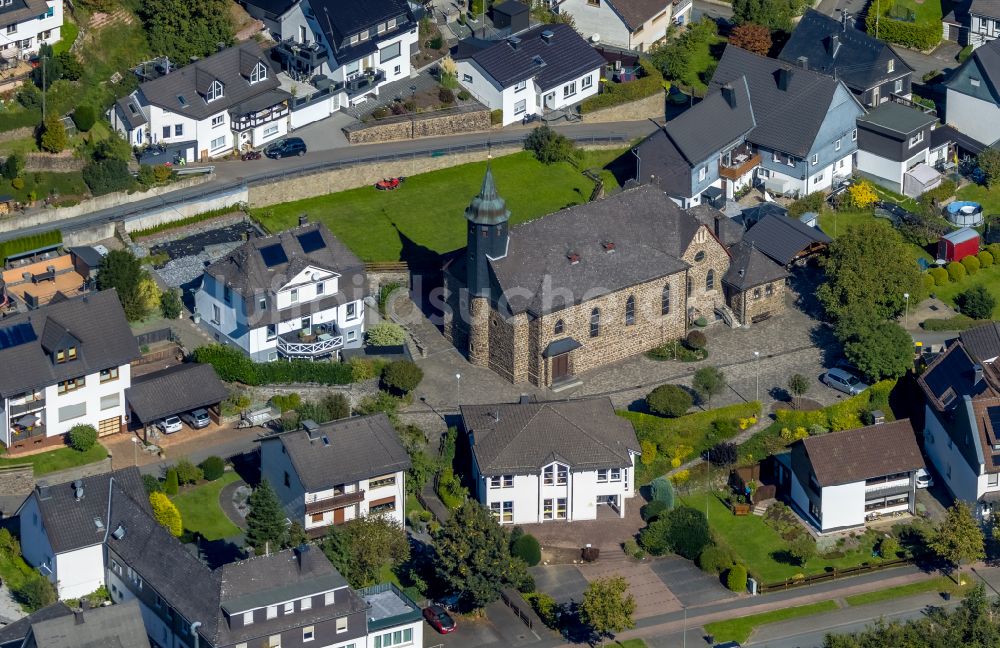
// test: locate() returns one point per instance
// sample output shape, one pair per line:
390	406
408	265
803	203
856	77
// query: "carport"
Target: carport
172	391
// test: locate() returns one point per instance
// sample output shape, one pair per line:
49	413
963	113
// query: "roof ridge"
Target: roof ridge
586	432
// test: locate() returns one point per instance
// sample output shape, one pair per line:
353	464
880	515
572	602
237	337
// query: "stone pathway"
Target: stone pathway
229	496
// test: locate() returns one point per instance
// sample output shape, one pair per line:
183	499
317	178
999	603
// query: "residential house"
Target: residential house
838	480
64	364
962	424
115	626
870	68
895	146
228	101
297	294
972	102
63	528
28	25
630	24
339	471
359	46
974	22
763	122
583	287
547	67
540	462
982	342
13	634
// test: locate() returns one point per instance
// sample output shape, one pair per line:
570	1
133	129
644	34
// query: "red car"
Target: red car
439	619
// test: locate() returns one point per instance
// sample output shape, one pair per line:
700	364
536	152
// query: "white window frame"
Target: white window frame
814	160
569	89
272	611
270	130
519	86
341	625
702	174
917	139
854	135
218	120
520	107
898	88
215	91
217	143
836	145
248	618
587	82
259	73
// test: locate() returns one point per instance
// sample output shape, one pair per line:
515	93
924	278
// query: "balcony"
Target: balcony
302	58
26	407
737	163
335	502
364	83
312	346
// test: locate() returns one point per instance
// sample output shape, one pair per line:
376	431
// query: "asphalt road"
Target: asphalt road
231	174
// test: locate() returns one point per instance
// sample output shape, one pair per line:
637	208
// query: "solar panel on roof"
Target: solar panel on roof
273	255
16	335
311	241
994	414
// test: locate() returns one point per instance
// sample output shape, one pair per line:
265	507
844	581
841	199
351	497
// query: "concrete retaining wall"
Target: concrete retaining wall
180	211
88	235
652	107
448	122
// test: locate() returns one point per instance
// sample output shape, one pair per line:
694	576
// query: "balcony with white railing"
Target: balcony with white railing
312	345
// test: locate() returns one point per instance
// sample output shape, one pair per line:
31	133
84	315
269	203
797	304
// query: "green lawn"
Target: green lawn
925	11
740	629
60	459
630	643
836	223
201	512
66	37
988	198
988	278
939	584
428	210
45	182
760	546
701	60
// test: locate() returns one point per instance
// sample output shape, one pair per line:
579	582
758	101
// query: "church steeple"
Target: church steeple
487	234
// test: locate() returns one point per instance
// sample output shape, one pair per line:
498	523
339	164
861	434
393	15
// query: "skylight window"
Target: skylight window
182	101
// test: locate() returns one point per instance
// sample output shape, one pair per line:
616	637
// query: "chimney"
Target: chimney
513	41
803	62
784	76
220	46
78	490
547	35
729	94
977	374
84	604
300	553
524	399
77	617
303	220
311	428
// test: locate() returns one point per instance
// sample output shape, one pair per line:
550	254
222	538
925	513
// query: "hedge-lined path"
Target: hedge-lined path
763	421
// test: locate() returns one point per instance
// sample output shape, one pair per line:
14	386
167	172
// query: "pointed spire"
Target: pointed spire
488	208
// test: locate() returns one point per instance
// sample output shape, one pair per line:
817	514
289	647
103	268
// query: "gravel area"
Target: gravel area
10	610
183	270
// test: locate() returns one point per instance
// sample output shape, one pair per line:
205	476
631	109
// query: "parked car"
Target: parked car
728	644
170	424
286	148
197	419
439	619
845	381
924	479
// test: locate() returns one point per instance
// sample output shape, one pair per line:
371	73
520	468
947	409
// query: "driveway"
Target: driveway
326	134
689	584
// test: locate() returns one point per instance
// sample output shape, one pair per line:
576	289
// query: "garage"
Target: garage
171	392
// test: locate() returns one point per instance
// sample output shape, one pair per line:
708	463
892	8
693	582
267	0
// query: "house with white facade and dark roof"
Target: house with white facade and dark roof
629	24
561	460
296	294
29	25
972	22
896	148
972	103
64	364
229	100
339	471
547	67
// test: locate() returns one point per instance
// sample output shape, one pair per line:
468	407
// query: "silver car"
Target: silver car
197	419
845	381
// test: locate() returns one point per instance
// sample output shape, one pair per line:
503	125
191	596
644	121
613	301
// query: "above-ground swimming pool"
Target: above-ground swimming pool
965	213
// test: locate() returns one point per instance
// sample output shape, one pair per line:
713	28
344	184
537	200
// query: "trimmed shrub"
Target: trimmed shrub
985	259
662	490
653	510
187	472
13	166
888	547
632	549
170	484
715	559
53	136
84	117
928	283
446	95
286	402
736	579
649	83
669	400
976	302
722	454
170	303
35	592
496	116
689	533
956	271
151	484
166	513
917	35
527	549
464	95
655	538
386	334
940	276
994	250
82	437
971	264
107	176
402	376
696	340
233	365
213	467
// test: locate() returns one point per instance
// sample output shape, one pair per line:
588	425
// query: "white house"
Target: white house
29	24
893	141
838	479
63	529
972	103
297	294
64	364
229	100
336	472
548	67
630	24
561	460
360	46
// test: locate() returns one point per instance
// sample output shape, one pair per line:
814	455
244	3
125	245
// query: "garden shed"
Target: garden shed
955	246
919	179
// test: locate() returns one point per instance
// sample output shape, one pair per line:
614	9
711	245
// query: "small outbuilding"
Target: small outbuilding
511	15
955	246
172	392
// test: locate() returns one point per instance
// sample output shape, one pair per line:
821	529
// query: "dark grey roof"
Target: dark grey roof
950	376
521	438
983	341
230	67
341	19
947	134
173	390
275	8
636	12
782	238
724	117
246	272
988	8
560	346
129	111
726	229
70	524
12	635
859	60
95	319
566	56
287	575
648	230
895	120
750	267
863	453
358	448
511	7
22	10
984	64
788	120
115	626
88	255
660	163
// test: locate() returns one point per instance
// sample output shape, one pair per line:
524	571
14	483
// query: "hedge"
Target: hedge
614	94
233	365
24	244
971	264
940	276
956	323
921	36
19	119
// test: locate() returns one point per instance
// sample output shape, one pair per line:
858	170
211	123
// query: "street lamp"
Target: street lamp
756	365
135	448
458	384
685	627
906	310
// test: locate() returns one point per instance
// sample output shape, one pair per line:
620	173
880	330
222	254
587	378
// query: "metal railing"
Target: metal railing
317	348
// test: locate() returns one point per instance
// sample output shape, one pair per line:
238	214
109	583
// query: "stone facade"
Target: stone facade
759	303
437	124
709	262
651	107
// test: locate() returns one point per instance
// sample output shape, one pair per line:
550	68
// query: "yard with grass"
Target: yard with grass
924	11
67	35
988	198
425	216
53	460
740	629
939	584
200	510
988	279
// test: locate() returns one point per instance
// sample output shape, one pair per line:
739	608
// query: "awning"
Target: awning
174	390
560	347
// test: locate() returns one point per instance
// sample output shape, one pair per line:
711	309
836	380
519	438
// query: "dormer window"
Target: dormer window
214	91
891	66
66	355
354	39
259	73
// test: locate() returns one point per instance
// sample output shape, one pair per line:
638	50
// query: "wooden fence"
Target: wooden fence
834	574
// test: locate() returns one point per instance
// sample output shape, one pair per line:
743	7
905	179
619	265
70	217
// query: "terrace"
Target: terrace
736	163
310	343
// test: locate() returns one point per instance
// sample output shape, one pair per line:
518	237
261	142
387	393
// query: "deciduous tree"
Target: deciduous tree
121	270
798	385
181	29
669	400
607	607
989	164
751	37
708	382
878	349
362	547
958	538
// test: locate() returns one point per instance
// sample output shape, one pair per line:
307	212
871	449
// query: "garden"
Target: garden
911	23
81	449
689	60
648	81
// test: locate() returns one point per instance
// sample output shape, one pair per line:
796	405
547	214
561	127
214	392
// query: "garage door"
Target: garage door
109	426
